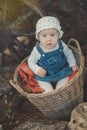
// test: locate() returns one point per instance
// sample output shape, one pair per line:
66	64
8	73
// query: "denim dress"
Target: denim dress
55	63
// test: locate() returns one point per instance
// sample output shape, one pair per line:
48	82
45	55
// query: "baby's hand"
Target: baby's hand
75	68
41	72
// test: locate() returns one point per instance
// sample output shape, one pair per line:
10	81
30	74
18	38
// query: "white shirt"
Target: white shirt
35	56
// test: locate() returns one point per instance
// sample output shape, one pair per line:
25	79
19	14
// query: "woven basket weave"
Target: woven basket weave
59	103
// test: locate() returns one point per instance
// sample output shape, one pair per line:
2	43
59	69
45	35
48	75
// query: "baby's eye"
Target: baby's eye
52	35
44	35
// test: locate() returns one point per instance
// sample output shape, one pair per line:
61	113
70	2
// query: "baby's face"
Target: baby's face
48	38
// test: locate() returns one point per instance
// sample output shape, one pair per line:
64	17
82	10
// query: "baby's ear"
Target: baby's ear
37	38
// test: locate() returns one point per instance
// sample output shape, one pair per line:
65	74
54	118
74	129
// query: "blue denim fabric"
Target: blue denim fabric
55	64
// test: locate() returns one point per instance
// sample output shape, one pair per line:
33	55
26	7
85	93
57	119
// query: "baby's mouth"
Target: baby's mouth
49	44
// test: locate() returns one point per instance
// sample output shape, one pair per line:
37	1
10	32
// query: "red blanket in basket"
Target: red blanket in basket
29	83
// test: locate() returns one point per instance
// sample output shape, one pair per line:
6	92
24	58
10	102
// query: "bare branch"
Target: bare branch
34	5
20	20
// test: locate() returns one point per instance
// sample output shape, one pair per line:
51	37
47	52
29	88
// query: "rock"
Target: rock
79	118
47	125
1	127
5	87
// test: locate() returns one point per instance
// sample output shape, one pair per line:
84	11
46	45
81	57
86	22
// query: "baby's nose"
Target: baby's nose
48	38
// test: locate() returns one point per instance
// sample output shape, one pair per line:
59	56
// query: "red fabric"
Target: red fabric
29	83
72	75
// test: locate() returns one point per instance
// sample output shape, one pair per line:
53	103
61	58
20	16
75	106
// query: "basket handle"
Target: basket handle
77	44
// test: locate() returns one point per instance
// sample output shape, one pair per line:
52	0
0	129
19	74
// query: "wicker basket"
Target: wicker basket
59	103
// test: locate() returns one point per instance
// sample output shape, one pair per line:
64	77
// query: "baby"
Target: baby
51	60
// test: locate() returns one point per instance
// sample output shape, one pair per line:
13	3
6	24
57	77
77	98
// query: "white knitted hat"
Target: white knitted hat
47	22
